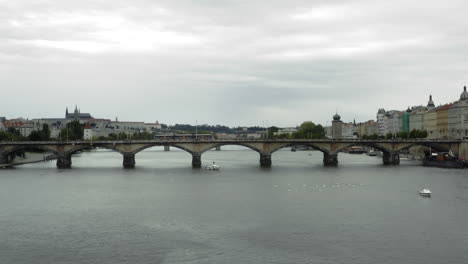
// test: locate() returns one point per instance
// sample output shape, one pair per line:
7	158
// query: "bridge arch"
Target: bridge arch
15	149
175	145
362	144
232	144
78	148
435	146
314	146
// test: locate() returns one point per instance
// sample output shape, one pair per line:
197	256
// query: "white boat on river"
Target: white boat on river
212	167
425	192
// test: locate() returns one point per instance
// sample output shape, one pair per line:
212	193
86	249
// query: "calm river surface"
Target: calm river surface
295	212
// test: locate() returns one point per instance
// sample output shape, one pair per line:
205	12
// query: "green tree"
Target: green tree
45	132
284	136
416	133
308	130
271	131
4	136
403	134
35	136
73	131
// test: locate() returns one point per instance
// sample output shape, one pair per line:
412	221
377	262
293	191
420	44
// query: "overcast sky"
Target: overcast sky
230	62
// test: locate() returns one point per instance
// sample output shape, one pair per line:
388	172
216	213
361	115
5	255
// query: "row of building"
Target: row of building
98	126
444	121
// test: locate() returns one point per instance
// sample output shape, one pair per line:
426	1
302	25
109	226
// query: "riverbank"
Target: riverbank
28	158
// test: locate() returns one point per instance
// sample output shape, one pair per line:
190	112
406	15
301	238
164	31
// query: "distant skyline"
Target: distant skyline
236	63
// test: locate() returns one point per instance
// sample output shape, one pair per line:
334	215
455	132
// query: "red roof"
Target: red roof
444	107
87	126
16	123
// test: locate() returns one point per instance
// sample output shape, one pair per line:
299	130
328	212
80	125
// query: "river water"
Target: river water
163	211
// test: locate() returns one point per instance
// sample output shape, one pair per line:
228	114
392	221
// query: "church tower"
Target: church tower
430	103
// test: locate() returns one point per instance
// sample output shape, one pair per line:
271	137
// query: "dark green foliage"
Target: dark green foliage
308	130
35	136
73	131
271	131
403	135
416	133
389	136
370	137
41	135
11	134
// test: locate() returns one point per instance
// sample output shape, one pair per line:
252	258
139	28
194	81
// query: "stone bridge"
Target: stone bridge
265	148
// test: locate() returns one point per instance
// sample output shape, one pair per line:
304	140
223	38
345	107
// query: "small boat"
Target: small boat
212	167
356	150
443	160
425	192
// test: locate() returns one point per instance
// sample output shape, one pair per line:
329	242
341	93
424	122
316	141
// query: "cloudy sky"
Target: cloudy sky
233	62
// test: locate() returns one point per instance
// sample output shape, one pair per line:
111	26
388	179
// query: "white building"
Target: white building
55	125
458	117
417	118
368	128
286	130
394	123
88	132
382	125
152	127
348	130
24	126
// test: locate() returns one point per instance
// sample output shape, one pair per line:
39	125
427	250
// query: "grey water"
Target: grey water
298	211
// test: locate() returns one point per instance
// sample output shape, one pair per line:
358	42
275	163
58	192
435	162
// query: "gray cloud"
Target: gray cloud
230	62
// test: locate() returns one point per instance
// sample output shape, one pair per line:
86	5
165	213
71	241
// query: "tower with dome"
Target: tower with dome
337	127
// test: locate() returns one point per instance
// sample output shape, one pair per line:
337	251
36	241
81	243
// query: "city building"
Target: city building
152	127
285	131
430	123
88	132
382	125
405	120
394	123
442	121
25	127
55	125
368	128
348	130
417	118
458	117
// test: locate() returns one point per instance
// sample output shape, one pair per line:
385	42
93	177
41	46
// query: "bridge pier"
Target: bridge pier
265	160
330	160
196	160
391	158
64	161
128	161
218	148
167	148
4	159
